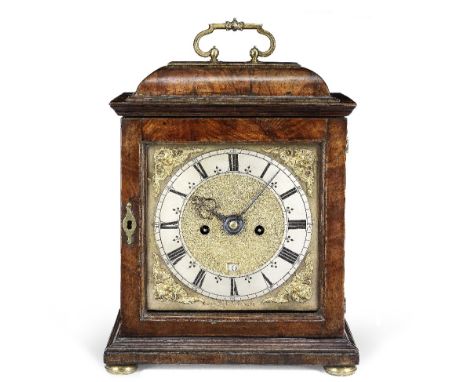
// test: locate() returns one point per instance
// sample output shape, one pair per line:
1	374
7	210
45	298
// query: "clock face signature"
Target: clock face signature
233	224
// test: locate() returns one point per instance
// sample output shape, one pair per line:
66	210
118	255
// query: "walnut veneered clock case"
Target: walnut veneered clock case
232	198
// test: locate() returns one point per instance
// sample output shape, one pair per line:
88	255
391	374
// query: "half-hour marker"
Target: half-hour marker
178	193
169	225
200	170
265	170
269	283
198	282
288	255
233	162
296	224
287	194
234	291
176	255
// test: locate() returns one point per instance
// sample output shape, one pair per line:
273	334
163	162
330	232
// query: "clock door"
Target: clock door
244	230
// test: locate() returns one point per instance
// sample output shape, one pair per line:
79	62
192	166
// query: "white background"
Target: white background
403	62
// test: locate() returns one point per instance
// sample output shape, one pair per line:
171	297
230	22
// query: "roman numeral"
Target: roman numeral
233	162
198	282
288	255
176	255
287	194
178	193
269	283
265	170
234	291
169	225
200	170
297	224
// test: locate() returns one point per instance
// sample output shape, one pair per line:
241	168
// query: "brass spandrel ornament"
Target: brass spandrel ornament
166	159
166	288
302	160
232	200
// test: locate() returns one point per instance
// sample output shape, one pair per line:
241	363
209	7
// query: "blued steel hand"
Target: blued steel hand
259	193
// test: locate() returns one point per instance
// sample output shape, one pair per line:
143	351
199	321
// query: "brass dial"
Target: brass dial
233	224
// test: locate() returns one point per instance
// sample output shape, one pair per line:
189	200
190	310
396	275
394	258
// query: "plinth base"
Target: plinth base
338	355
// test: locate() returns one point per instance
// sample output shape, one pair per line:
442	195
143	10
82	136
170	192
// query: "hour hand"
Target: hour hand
207	208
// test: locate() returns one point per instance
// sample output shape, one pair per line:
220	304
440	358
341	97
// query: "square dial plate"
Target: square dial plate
232	227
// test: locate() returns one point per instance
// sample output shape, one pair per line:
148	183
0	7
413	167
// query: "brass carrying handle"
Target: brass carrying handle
234	25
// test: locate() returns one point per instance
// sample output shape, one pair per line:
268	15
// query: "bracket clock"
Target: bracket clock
232	200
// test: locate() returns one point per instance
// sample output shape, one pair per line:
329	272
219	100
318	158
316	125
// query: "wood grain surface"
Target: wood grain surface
204	78
336	351
337	105
328	321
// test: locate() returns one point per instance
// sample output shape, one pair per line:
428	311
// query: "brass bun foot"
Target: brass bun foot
121	369
341	371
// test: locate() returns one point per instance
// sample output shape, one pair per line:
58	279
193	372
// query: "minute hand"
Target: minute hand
258	194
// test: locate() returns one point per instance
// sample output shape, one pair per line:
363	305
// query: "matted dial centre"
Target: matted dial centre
233	240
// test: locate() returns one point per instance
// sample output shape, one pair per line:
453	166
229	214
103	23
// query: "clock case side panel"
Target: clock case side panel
131	253
328	321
